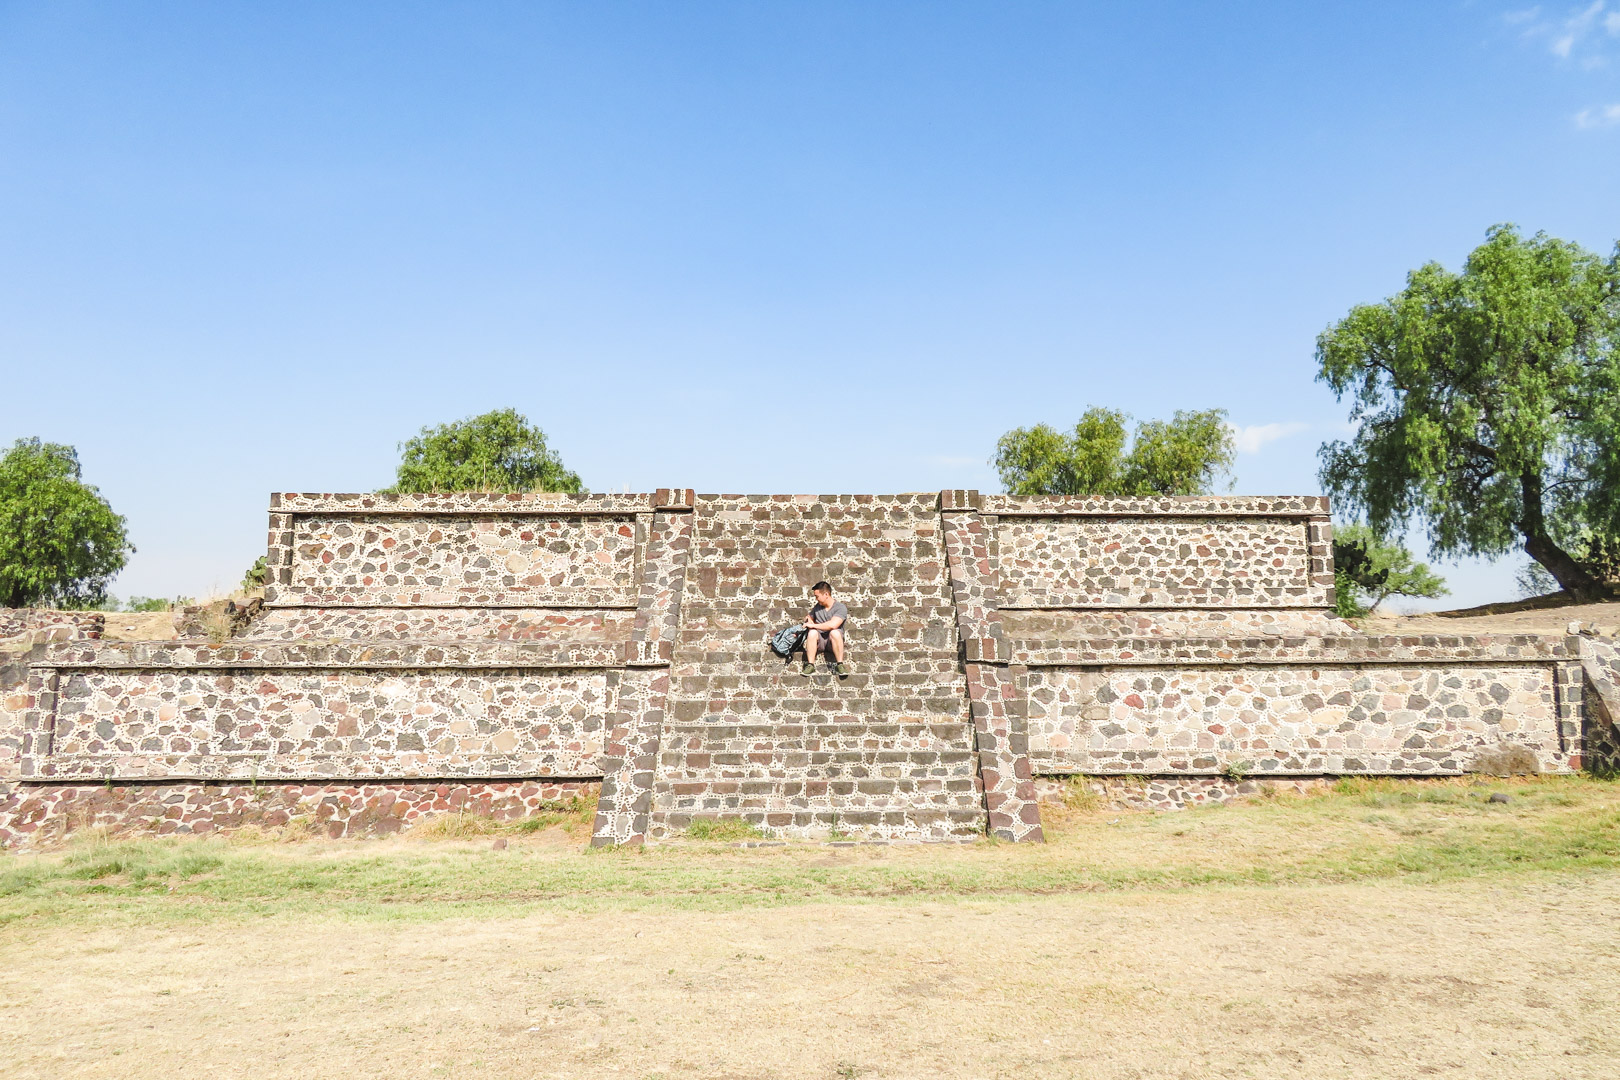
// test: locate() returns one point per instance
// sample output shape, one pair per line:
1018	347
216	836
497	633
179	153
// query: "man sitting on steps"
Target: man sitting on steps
826	620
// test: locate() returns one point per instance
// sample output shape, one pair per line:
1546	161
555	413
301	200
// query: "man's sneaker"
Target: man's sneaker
808	669
843	669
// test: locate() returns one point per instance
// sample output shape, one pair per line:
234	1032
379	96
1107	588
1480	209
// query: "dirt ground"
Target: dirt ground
139	626
1473	978
1605	617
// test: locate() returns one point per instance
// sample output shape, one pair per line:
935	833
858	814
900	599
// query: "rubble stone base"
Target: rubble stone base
1174	792
33	815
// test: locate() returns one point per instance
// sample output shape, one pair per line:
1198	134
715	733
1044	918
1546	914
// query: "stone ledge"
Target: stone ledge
877	729
314	769
1297	599
375	655
1255	506
39	814
617	600
1288	649
37	625
461	502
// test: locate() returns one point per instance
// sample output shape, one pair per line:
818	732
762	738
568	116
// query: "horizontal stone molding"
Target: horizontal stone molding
1349	650
36	814
368	656
421	624
214	768
621	600
1160	602
1301	506
461	502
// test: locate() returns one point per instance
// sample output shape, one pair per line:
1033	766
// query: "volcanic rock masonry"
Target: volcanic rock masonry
426	653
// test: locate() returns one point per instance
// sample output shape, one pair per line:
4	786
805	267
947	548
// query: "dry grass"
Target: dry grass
573	817
1381	929
1368	980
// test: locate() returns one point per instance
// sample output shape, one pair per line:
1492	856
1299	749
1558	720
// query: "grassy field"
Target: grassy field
1378	929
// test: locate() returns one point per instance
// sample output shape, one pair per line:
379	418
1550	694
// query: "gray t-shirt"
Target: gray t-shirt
819	614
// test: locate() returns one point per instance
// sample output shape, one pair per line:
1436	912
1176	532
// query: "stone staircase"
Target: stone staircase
886	752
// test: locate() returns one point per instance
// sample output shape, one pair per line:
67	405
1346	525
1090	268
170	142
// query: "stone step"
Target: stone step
891	736
678	790
907	780
874	817
785	762
761	661
897	823
744	711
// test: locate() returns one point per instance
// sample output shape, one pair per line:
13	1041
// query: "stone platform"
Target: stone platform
502	646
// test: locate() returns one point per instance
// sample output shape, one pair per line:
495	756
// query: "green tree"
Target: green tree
1181	456
1487	405
60	543
498	451
1368	570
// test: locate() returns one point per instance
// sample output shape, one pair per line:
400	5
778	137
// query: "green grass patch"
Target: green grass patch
1358	830
727	829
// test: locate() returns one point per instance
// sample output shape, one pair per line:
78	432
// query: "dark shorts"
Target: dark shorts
825	634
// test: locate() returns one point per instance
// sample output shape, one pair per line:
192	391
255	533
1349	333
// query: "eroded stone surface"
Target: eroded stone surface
1156	562
468	560
352	723
417	637
34	815
1277	720
442	624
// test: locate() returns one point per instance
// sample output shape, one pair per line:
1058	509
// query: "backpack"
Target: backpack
785	641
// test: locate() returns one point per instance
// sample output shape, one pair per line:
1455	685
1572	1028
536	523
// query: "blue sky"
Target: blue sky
247	248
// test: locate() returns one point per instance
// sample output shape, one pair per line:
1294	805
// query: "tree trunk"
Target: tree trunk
1583	586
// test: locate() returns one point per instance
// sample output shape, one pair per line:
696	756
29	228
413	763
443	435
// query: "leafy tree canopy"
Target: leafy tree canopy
1181	456
60	543
1368	570
1487	405
498	451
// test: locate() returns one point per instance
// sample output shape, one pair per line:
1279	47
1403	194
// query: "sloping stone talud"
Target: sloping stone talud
518	646
995	698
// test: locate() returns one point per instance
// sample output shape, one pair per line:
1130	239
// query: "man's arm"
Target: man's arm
831	624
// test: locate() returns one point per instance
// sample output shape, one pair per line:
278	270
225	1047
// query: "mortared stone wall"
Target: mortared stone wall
419	653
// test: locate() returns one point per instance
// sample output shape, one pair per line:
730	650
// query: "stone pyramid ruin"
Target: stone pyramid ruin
421	653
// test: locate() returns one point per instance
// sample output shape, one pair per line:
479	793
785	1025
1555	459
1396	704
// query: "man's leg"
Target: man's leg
835	638
812	647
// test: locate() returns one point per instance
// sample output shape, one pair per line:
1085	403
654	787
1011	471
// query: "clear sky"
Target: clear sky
251	247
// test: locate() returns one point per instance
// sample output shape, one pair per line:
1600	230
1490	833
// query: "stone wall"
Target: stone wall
444	624
1274	720
24	633
1600	669
513	643
1162	553
455	560
1169	792
244	711
27	626
35	814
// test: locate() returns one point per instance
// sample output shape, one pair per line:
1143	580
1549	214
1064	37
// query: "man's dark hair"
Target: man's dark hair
821	586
